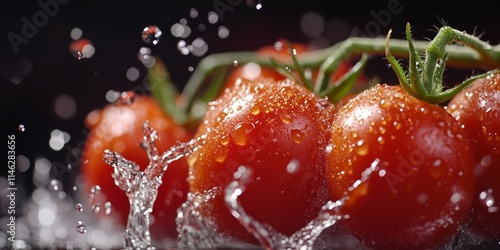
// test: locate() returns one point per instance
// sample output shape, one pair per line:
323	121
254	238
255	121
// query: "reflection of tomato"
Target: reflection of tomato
280	52
118	127
423	188
477	108
280	131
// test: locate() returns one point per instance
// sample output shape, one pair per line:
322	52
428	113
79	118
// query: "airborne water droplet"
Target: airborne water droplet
126	97
96	208
255	4
223	32
95	189
193	13
82	48
55	184
21	128
78	207
151	34
107	205
81	227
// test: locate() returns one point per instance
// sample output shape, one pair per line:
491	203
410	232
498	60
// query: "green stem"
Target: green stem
426	77
459	56
163	90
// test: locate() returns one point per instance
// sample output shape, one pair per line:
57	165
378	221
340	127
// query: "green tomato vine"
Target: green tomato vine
449	48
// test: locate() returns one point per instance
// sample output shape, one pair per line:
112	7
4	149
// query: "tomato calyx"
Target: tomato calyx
425	77
323	86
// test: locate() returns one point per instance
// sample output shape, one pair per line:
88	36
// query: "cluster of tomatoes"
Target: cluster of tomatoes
437	165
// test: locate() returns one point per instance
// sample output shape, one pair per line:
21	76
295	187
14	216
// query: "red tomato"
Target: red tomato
423	189
477	108
266	126
118	127
280	52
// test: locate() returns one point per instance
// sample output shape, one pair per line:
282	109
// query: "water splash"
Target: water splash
305	238
195	231
141	188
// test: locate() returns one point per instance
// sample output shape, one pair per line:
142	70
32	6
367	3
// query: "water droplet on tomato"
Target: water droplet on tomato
354	134
297	135
151	34
240	133
486	161
255	109
224	140
456	197
286	118
436	163
328	148
220	155
422	198
361	147
380	140
385	103
293	166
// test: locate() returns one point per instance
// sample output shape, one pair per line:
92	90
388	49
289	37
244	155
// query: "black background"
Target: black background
115	28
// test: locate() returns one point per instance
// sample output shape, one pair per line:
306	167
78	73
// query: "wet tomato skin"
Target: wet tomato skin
422	190
118	127
477	108
266	126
